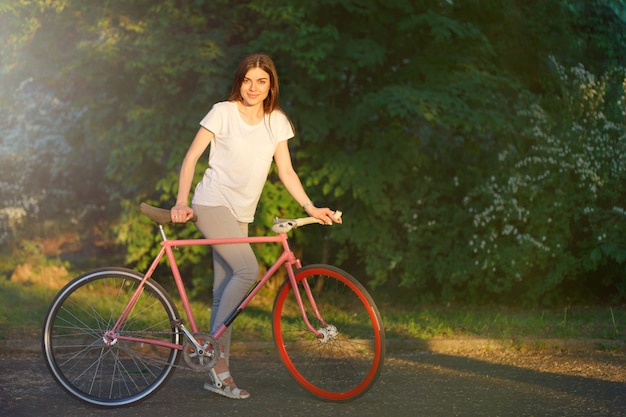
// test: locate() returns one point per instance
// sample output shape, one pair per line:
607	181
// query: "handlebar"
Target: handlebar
285	225
162	216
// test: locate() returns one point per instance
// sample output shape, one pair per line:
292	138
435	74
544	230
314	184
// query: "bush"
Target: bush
548	224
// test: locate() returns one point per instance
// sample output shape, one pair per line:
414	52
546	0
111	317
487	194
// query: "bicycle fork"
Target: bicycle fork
328	331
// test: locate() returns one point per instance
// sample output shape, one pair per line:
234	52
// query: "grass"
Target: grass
427	322
23	306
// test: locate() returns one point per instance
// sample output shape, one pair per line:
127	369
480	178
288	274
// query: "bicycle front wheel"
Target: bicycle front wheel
102	373
346	362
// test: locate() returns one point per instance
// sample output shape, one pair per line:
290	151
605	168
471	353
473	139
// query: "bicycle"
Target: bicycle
113	336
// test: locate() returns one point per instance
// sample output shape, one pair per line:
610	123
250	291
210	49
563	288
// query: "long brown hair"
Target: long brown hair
265	63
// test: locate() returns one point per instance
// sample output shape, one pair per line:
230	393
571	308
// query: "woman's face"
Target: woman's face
255	87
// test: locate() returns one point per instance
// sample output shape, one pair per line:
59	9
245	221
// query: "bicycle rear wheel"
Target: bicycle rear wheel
78	357
346	363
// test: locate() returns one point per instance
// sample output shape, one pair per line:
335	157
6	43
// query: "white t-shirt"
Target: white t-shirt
239	159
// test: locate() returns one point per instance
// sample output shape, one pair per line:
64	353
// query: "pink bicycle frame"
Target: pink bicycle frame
287	258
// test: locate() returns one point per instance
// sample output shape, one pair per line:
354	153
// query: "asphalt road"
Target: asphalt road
414	383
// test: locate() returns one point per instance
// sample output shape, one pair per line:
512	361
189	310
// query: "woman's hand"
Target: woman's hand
181	213
324	215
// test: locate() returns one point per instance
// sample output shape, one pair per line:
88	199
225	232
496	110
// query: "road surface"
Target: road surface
413	383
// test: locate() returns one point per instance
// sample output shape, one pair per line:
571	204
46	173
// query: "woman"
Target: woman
246	133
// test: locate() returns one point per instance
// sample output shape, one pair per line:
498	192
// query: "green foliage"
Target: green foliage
44	170
547	223
407	120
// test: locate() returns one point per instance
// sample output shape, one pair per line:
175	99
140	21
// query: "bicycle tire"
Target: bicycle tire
339	369
76	354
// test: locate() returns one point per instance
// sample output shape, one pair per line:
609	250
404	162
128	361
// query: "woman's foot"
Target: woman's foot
221	382
224	384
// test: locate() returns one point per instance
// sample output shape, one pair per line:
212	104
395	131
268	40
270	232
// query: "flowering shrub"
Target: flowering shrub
551	220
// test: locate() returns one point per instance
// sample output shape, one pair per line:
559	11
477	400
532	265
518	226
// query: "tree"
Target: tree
402	110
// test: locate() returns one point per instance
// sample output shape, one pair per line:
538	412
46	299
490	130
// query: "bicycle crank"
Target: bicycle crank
202	353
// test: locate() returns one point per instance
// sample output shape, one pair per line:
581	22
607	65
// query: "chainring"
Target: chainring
203	357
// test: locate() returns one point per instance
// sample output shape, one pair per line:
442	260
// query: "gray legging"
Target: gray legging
235	266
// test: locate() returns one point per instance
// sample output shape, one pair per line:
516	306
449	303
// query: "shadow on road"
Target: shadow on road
588	388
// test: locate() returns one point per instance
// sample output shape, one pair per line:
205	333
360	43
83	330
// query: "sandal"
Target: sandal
223	384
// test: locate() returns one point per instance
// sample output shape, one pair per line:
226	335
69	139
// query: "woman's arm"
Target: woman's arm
181	212
292	183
